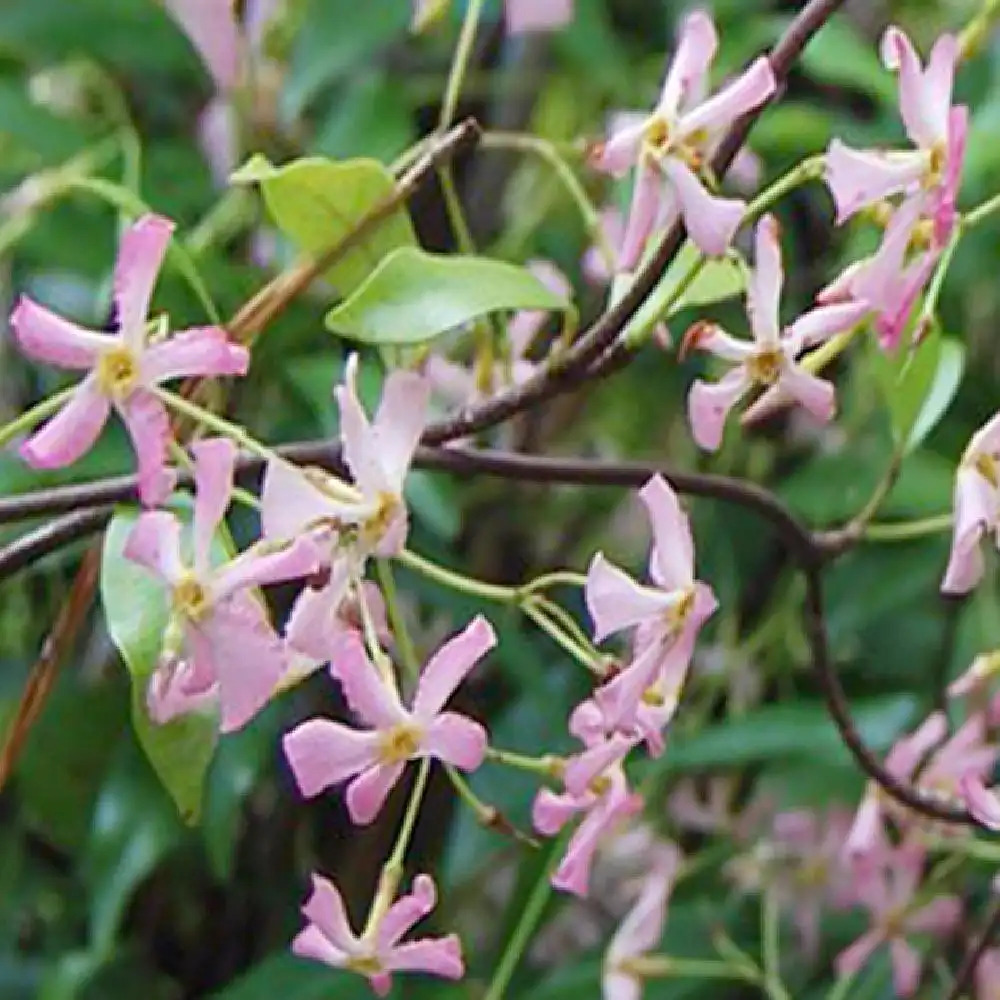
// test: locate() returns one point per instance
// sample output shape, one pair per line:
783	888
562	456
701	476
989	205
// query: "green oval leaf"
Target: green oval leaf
944	385
136	612
413	296
317	202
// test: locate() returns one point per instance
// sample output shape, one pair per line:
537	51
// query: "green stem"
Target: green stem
407	651
36	414
558	635
215	423
668	967
547	766
903	531
530	918
771	935
558	578
459	64
841	988
567	623
989	207
929	307
808	170
454	580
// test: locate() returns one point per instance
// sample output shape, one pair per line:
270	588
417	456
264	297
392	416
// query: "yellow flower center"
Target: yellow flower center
386	510
765	366
677	614
986	466
398	744
117	372
937	163
658	134
653	698
600	784
190	599
365	965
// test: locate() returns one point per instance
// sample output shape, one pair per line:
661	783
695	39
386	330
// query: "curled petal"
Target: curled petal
551	812
367	793
688	71
148	426
815	394
764	289
615	601
358	437
406	912
646	197
213	30
748	91
672	559
322	753
711	222
71	432
585	767
373	700
315	625
259	567
621	151
203	351
976	509
858	178
140	257
818	325
983	804
292	504
709	405
155	543
450	665
313	944
401	418
924	96
45	336
437	956
214	462
325	909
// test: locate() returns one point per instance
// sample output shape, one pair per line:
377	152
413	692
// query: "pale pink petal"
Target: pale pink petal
258	567
585	767
617	985
986	440
818	325
522	16
764	288
322	753
748	91
907	753
214	462
204	351
642	928
249	659
453	383
853	958
712	339
976	507
646	197
437	956
325	909
551	812
155	543
218	138
946	210
709	405
858	178
358	437
367	793
586	722
176	689
43	335
983	804
619	699
213	30
367	693
924	99
621	151
406	912
140	256
696	48
457	740
817	395
615	601
315	626
290	504
71	432
938	918
313	944
711	222
450	665
401	418
905	967
672	559
148	425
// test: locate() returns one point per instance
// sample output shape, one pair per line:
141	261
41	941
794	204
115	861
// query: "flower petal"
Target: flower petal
711	222
819	324
258	568
367	793
817	395
924	97
437	956
906	966
322	753
213	30
709	404
155	543
71	432
214	463
646	198
406	912
450	665
325	909
148	425
748	91
401	418
551	812
764	288
290	503
45	336
983	804
621	151
312	943
672	559
456	739
977	504
522	16
858	178
140	256
367	694
686	78
204	351
615	601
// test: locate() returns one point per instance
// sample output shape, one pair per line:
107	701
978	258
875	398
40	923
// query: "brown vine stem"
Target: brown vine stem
246	324
596	348
809	549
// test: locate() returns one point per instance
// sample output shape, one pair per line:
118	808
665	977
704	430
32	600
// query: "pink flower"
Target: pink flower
891	280
219	644
988	975
458	384
214	31
667	616
522	16
672	146
377	953
770	359
323	753
983	803
887	889
977	508
596	787
641	930
859	178
122	367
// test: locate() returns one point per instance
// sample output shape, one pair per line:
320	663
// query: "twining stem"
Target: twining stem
27	420
989	207
460	64
551	628
669	967
558	578
546	766
455	580
771	934
392	871
906	530
397	621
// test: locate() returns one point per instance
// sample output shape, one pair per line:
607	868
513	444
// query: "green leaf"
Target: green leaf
317	202
716	280
136	611
413	296
943	387
293	978
840	55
